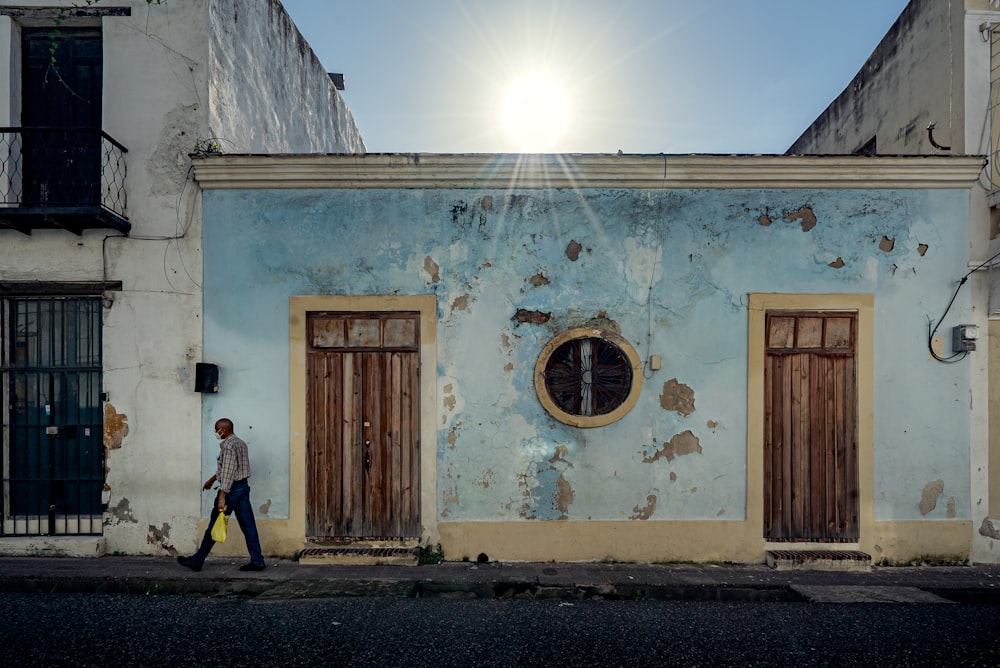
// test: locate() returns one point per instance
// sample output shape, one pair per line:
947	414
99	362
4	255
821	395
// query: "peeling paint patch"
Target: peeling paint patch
486	202
685	443
115	427
764	220
539	279
677	397
161	537
645	512
573	251
460	303
532	317
486	480
560	456
120	513
837	264
989	530
711	424
449	398
929	497
722	511
922	249
564	497
265	507
453	435
432	268
951	508
673	477
508	367
887	244
805	215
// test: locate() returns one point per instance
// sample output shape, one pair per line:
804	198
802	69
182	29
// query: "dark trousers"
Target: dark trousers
238	503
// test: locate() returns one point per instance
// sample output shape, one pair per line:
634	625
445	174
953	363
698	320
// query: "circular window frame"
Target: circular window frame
588	421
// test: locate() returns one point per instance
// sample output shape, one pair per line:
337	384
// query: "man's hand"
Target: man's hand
208	484
220	502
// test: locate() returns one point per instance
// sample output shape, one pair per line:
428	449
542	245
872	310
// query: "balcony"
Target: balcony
61	178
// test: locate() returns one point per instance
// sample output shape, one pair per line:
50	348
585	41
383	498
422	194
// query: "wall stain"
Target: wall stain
453	435
115	427
120	513
987	529
950	514
564	496
265	507
805	215
922	249
486	480
449	398
532	317
673	477
929	497
837	264
539	279
764	220
684	443
677	397
161	537
887	244
486	202
560	456
573	251
432	268
645	512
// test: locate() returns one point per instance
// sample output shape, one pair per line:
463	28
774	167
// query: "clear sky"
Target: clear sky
640	76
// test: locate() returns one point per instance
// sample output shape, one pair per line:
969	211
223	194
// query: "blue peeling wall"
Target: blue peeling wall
671	268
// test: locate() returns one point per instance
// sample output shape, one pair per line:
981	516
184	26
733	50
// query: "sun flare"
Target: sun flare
536	113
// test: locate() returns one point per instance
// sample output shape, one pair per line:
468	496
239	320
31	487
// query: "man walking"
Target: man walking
232	471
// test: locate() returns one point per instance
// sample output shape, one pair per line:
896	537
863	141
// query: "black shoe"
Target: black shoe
187	563
252	567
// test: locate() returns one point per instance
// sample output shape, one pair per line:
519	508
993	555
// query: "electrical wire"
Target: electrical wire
962	354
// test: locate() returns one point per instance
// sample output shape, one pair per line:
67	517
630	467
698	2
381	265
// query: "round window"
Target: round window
588	377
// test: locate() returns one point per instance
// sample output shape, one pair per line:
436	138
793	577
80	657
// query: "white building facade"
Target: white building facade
100	248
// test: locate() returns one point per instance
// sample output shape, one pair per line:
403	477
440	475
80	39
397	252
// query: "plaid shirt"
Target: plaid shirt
233	462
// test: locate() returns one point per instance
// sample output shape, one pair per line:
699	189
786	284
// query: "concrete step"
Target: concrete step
852	561
361	555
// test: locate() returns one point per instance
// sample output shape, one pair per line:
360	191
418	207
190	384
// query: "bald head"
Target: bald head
224	426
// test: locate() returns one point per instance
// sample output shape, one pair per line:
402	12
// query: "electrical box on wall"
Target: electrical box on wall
206	378
964	337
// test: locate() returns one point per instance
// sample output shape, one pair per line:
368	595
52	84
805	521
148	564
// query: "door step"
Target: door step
360	556
852	561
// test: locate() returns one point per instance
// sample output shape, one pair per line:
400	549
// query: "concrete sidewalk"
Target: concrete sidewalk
286	579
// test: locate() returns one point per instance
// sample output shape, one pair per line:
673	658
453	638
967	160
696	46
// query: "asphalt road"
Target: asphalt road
123	630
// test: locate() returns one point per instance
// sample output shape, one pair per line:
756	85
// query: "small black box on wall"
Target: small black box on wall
206	377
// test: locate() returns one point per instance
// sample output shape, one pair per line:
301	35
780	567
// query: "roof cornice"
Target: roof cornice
534	171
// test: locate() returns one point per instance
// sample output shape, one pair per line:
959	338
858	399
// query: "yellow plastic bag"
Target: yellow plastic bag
219	528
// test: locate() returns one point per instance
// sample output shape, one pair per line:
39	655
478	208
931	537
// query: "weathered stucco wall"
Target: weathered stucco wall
671	268
268	90
160	83
913	77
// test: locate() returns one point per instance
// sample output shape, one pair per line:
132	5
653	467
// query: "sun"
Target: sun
535	113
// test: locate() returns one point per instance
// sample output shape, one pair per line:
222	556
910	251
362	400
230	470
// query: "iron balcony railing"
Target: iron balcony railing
72	177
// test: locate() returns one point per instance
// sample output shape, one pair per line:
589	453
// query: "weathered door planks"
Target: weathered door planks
362	446
810	440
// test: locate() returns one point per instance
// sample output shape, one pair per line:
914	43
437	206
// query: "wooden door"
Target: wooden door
363	463
810	427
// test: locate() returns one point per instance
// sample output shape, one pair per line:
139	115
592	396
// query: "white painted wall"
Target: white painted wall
174	73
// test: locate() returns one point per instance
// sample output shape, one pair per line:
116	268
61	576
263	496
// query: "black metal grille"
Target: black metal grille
53	453
62	171
588	376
